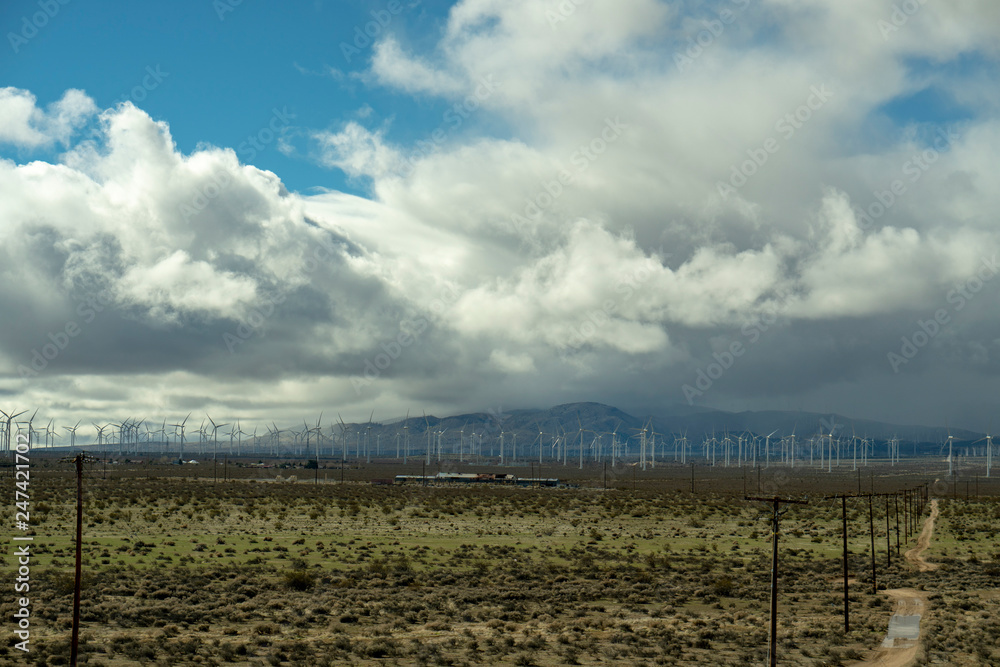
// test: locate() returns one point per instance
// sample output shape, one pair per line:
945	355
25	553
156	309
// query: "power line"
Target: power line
776	512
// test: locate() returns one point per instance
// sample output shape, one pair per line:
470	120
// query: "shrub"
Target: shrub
299	580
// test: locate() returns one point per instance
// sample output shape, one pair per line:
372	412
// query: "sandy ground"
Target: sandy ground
902	643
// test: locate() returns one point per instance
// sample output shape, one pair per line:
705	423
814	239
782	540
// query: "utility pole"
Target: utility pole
895	502
888	541
78	460
871	528
78	576
906	516
843	514
775	516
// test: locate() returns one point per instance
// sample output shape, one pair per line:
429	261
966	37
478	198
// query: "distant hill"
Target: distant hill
524	427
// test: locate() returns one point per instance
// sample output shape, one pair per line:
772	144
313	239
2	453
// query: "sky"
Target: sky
263	210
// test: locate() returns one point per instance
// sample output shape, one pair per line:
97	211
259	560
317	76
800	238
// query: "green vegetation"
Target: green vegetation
252	572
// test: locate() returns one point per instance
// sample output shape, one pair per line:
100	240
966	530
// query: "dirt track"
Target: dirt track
901	651
923	541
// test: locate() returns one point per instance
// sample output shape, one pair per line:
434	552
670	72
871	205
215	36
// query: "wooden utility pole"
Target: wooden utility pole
871	528
847	620
906	516
775	516
78	461
78	578
888	540
895	502
843	514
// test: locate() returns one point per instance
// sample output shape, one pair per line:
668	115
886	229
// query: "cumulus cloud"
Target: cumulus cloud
24	125
599	226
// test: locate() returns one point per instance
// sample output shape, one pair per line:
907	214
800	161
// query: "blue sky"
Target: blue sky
631	189
227	68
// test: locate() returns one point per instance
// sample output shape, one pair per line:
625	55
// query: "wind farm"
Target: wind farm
584	436
514	333
319	513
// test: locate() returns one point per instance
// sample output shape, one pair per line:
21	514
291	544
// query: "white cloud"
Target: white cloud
23	124
633	269
358	152
394	68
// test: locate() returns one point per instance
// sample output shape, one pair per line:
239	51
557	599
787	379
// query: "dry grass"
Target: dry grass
191	572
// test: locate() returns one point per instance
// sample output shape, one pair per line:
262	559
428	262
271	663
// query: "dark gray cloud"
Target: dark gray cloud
643	219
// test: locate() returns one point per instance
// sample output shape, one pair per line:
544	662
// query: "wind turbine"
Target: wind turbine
180	454
406	436
854	441
540	434
501	445
51	433
10	419
368	438
461	442
343	441
72	433
427	432
215	435
439	436
614	441
951	439
767	448
239	438
989	448
31	429
319	434
100	434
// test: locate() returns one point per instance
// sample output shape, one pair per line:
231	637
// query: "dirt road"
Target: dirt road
902	641
914	555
